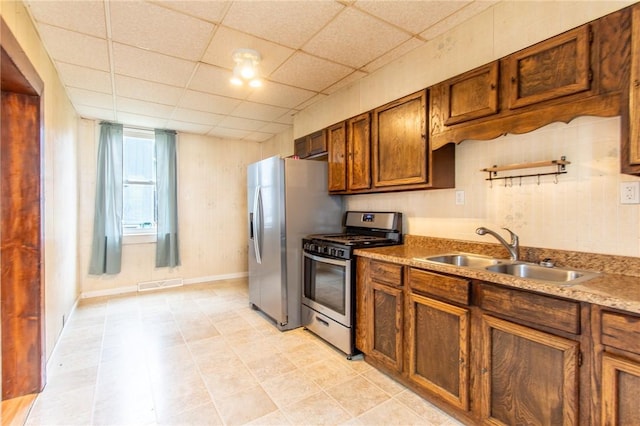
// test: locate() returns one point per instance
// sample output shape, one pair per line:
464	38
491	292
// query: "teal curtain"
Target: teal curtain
106	250
167	253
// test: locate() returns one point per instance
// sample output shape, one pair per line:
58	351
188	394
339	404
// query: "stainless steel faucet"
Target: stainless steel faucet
512	247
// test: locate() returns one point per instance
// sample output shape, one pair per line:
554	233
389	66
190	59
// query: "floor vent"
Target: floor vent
157	285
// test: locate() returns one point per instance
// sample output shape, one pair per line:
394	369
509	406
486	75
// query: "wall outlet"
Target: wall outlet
629	192
459	198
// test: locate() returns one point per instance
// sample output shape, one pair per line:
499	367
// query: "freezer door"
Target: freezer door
266	238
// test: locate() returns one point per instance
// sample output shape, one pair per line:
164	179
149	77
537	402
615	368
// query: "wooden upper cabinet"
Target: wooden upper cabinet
554	68
311	145
359	152
400	150
337	157
471	95
633	146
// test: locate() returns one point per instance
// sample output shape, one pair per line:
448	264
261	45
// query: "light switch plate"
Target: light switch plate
459	198
629	192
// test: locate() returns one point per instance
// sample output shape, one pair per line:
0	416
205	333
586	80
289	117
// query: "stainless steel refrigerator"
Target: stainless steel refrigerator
287	200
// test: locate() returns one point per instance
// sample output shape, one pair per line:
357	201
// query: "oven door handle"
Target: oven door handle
325	259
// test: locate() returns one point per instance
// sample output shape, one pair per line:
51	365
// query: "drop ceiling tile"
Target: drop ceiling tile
241	123
196	117
212	11
75	48
94	113
90	98
209	103
226	40
275	128
317	97
180	126
353	77
355	39
456	19
149	108
225	133
151	27
287	118
212	79
258	111
86	17
280	95
147	90
259	136
310	72
151	66
393	54
84	78
413	16
141	120
289	23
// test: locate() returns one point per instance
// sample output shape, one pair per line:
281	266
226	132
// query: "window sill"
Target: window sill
141	238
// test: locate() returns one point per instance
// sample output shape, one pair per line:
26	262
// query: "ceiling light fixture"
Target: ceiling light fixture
246	69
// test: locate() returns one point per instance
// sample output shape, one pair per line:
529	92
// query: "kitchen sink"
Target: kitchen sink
463	259
542	273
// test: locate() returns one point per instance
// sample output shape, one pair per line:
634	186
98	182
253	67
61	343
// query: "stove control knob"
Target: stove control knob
341	253
333	252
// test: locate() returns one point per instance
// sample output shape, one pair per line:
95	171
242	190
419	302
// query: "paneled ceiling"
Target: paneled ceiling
167	64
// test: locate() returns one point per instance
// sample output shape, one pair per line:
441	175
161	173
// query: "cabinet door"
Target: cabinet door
550	69
438	335
634	94
359	149
317	143
620	389
471	95
301	147
385	325
400	151
528	377
337	158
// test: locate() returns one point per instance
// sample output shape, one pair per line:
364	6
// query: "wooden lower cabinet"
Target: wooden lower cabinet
386	325
438	345
620	387
527	376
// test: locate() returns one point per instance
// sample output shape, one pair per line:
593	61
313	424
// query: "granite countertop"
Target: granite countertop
616	286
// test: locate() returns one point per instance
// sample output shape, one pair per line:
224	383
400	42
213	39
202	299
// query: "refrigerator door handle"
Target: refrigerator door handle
256	223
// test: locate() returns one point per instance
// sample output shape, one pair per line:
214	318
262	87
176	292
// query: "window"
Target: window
139	182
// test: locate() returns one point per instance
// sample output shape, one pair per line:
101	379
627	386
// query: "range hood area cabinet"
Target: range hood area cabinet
580	72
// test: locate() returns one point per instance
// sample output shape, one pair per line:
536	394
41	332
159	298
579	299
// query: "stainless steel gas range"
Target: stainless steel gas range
328	294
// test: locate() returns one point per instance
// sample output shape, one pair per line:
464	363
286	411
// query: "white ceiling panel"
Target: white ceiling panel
208	103
76	48
90	98
151	66
85	78
413	16
310	72
355	38
135	88
159	29
169	61
85	17
196	117
289	23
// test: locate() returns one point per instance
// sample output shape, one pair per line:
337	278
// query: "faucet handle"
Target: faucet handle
514	237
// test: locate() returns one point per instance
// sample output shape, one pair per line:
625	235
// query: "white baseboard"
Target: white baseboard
186	281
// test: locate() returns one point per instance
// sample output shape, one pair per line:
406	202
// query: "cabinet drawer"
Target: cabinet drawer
621	331
546	311
387	273
441	286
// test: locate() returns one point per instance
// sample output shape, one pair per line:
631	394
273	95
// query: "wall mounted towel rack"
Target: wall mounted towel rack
559	164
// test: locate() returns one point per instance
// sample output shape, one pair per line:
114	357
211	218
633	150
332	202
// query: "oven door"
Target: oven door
327	287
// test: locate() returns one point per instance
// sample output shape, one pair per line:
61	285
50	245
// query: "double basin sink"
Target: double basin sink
514	268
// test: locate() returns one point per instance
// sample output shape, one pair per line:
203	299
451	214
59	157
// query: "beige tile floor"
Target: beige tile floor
199	355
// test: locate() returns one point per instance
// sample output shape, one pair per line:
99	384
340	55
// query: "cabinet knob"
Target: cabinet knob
636	83
513	80
492	86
